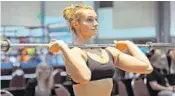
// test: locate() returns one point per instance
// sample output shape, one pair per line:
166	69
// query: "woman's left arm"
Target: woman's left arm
137	63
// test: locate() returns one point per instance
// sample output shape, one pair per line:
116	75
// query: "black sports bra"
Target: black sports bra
101	71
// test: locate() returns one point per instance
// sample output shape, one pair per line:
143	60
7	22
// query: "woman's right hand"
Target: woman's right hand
55	45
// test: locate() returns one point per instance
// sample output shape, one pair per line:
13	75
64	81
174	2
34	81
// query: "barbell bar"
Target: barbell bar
6	45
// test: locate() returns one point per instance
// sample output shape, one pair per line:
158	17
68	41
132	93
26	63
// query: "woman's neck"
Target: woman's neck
83	41
80	39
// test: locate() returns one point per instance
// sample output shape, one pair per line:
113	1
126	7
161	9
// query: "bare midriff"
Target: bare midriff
94	88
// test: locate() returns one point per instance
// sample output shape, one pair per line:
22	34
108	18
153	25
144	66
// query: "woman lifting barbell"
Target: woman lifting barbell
92	69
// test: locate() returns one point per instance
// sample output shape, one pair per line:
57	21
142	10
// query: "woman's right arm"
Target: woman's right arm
75	63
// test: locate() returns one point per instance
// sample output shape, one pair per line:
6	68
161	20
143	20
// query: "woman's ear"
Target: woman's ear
75	24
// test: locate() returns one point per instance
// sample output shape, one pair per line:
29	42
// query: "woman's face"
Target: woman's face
88	25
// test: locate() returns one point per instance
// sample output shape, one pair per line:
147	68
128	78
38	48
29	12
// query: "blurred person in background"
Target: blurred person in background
4	58
157	83
5	62
23	57
34	55
92	70
171	63
43	84
171	54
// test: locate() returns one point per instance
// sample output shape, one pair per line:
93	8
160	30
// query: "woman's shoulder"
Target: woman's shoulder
77	50
80	51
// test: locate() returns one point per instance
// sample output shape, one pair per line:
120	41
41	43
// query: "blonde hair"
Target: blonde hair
73	11
41	69
40	74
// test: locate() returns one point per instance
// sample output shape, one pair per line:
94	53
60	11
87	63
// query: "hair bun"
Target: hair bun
71	10
68	12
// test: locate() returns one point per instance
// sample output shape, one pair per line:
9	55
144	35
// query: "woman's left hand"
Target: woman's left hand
122	45
55	45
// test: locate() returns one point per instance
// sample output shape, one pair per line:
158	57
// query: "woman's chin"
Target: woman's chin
90	36
93	35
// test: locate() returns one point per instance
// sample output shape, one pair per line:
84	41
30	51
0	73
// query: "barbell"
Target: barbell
6	45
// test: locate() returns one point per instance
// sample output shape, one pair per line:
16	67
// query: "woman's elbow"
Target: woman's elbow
83	80
86	78
148	69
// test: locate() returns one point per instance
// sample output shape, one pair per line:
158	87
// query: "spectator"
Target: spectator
158	85
23	55
171	54
43	84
